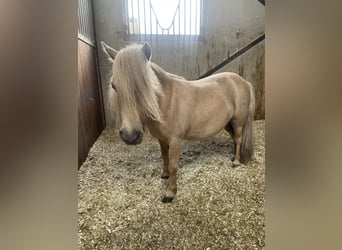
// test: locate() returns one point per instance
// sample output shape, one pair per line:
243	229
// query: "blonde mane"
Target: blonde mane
136	84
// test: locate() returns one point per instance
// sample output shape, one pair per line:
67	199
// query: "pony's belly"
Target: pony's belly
207	130
203	125
201	136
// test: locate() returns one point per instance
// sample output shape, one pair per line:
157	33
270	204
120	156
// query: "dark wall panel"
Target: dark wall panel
90	109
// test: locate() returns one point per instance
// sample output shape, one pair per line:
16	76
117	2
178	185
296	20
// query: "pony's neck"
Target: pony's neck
164	76
160	73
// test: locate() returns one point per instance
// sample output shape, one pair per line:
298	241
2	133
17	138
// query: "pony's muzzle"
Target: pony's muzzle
133	138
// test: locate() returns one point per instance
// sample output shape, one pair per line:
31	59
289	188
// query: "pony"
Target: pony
175	109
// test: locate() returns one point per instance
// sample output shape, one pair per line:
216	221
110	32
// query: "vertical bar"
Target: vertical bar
190	15
84	20
151	32
201	18
99	80
145	20
179	18
196	17
132	18
87	19
78	18
173	23
156	24
89	22
81	19
125	4
92	21
139	32
184	18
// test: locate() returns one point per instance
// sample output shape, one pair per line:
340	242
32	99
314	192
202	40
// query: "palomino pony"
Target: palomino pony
175	109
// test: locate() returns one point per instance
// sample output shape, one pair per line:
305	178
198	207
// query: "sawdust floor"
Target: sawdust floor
216	207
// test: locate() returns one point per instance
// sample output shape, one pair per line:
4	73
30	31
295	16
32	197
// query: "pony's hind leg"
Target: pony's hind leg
164	148
238	141
230	130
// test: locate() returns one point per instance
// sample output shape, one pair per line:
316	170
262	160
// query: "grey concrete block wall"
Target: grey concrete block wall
228	26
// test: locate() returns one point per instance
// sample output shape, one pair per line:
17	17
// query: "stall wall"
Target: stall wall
228	26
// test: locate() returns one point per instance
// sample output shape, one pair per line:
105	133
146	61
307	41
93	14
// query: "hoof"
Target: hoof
164	177
167	199
236	164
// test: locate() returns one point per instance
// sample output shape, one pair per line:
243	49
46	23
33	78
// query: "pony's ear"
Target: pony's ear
111	53
147	51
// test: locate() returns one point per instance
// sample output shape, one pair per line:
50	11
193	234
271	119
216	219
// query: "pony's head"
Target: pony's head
135	90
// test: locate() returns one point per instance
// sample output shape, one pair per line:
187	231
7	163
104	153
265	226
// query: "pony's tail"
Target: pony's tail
247	146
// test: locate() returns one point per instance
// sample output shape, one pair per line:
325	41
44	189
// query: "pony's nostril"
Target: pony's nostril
135	137
122	134
138	134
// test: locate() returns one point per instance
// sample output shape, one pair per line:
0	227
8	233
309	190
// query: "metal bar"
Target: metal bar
196	17
150	20
202	17
97	62
86	9
79	20
184	17
179	32
235	55
133	29
155	16
145	20
174	22
84	30
190	12
126	14
138	2
82	19
86	33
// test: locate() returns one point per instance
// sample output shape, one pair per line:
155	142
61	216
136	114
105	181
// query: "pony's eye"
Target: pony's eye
113	86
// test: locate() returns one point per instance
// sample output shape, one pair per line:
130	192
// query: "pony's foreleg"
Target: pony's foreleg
238	141
171	189
164	148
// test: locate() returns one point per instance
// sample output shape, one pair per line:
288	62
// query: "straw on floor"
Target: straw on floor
216	207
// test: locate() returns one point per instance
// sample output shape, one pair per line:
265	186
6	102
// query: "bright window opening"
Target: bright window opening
163	17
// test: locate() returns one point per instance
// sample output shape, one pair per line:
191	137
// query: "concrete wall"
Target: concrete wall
228	26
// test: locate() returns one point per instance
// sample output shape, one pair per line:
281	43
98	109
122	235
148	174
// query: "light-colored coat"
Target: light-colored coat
175	109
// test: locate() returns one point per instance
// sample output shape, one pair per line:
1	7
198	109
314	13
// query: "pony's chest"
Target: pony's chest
158	130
